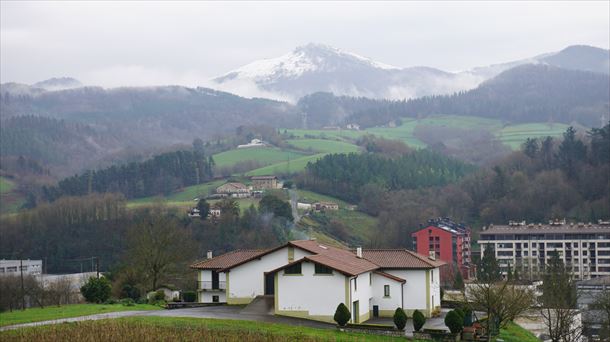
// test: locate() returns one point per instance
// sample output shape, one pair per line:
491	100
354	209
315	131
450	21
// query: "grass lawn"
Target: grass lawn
323	145
65	311
515	333
6	185
515	135
311	197
182	198
265	155
183	329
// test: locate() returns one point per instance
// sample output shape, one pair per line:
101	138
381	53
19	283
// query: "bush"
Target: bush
96	290
460	312
454	321
418	320
142	300
110	301
342	315
130	291
467	317
189	296
128	302
400	318
159	295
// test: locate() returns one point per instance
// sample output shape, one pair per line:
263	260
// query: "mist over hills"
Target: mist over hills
105	125
321	68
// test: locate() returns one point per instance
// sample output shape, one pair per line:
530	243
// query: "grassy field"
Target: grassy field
515	333
511	135
515	135
265	155
316	145
183	329
6	185
182	198
74	310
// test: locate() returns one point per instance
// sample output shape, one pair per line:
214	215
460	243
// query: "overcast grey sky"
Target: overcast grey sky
141	43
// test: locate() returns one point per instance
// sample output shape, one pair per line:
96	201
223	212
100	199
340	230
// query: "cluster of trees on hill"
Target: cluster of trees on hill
344	175
160	175
99	225
548	179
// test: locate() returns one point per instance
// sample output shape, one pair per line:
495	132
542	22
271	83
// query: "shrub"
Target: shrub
342	315
142	300
130	291
189	296
460	312
400	318
467	317
110	301
454	322
96	290
128	302
159	295
418	320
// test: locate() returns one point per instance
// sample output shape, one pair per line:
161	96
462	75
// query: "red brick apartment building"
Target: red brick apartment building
449	241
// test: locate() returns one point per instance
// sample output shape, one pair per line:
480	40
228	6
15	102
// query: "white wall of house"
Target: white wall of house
363	294
415	289
386	305
309	295
247	281
207	296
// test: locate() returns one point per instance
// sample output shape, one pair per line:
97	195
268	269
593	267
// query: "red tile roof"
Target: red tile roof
393	277
399	258
229	260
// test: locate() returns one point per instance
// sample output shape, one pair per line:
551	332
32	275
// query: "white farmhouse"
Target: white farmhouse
308	279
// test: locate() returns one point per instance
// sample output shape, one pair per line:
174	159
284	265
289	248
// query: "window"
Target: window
11	269
290	254
432	275
293	269
321	269
215	299
356	284
370	279
386	290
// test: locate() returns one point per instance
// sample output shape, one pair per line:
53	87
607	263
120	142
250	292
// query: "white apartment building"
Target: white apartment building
584	247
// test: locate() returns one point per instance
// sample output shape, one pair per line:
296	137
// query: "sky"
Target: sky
111	43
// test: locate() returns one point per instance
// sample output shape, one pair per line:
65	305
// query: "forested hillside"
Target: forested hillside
528	93
344	175
160	175
548	179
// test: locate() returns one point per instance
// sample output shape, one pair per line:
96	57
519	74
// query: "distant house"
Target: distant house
169	293
353	126
321	206
253	143
234	190
264	182
215	211
14	267
194	212
304	206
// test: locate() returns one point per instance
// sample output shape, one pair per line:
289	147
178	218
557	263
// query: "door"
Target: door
375	310
270	284
355	311
215	282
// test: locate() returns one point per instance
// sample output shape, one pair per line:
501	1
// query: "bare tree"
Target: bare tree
159	247
558	302
502	300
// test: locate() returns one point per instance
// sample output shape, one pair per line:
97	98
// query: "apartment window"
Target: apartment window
215	299
386	290
11	269
321	269
293	269
355	284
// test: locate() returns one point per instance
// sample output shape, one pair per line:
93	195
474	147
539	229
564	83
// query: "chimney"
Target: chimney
209	255
359	252
432	255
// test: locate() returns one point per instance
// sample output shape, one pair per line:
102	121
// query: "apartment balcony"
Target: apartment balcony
212	286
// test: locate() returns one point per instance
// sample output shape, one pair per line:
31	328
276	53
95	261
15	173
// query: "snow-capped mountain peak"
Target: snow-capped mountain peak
303	59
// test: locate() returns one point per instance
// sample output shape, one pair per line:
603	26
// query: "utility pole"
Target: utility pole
22	287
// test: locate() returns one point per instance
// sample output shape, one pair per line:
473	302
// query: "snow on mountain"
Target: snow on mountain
316	67
58	83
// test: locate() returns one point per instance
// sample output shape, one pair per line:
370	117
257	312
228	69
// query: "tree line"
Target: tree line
162	174
344	175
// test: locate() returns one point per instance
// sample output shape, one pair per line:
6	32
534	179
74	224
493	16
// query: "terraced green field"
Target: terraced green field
266	155
515	135
511	135
322	146
183	198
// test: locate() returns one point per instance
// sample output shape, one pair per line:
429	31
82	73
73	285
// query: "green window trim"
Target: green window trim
293	269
